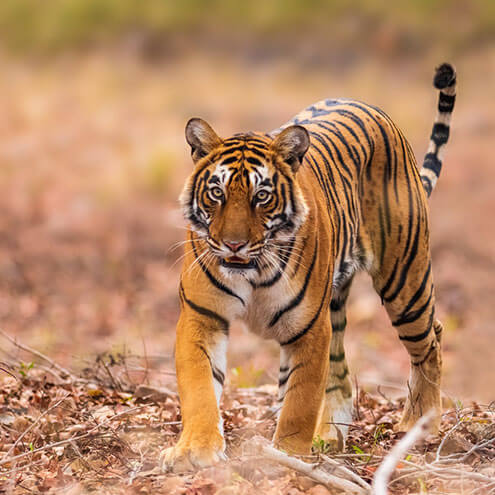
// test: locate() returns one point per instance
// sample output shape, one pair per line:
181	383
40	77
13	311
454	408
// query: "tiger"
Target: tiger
279	223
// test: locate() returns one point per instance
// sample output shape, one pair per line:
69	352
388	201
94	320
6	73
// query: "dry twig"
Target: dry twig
351	475
386	468
311	470
27	430
63	372
75	438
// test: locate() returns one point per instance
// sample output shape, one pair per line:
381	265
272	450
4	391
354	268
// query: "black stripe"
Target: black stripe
371	145
346	185
440	133
343	375
426	184
395	168
417	337
337	304
337	357
418	293
256	142
431	162
283	381
336	132
313	163
194	193
335	387
406	266
257	152
297	300
313	320
232	149
276	277
235	140
382	235
356	138
224	324
412	209
388	283
403	147
445	76
413	315
218	375
386	142
230	159
335	147
340	326
446	102
252	160
430	350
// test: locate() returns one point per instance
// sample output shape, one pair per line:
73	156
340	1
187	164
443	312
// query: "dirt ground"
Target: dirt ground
92	158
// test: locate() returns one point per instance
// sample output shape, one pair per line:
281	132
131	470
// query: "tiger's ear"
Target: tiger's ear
201	137
291	144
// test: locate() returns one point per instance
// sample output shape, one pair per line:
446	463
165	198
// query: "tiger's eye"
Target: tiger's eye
216	192
262	196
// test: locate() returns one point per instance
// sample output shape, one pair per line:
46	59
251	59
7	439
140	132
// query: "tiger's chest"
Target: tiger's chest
273	312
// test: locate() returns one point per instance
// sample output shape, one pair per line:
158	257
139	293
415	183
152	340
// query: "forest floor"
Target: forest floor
92	159
102	433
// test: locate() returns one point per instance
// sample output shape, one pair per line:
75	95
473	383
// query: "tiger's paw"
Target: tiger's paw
190	454
334	431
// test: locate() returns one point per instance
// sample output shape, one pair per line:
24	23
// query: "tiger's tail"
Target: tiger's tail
445	81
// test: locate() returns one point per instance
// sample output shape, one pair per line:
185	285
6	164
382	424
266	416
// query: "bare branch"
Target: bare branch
63	372
311	470
386	468
347	473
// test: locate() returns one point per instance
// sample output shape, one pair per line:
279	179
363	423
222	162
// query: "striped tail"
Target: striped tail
445	81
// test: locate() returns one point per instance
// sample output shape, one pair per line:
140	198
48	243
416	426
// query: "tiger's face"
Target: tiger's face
243	198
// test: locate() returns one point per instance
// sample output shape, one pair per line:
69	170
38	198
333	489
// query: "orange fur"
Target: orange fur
280	223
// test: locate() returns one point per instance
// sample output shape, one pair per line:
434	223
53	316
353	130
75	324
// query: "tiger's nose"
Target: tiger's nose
234	246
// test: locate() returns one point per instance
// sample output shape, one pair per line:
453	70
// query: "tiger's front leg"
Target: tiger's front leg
200	358
302	386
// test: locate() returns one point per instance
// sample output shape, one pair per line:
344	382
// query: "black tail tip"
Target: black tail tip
444	76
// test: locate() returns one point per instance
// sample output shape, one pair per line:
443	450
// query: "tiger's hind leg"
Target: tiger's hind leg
395	220
409	298
336	415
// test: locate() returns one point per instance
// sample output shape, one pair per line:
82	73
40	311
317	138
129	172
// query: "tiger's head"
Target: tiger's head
243	196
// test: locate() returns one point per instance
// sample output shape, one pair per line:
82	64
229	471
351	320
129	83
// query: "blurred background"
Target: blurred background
94	96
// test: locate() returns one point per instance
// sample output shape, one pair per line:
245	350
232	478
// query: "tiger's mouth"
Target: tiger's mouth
237	262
